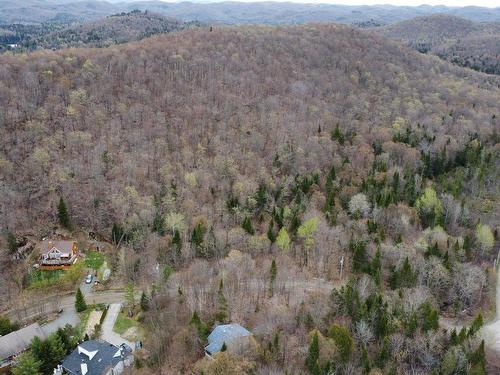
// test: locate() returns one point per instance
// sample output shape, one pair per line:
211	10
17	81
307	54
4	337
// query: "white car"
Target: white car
88	279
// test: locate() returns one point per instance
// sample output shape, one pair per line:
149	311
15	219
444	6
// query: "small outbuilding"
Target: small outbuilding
233	336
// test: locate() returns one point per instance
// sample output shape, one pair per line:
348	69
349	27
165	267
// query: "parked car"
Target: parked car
88	279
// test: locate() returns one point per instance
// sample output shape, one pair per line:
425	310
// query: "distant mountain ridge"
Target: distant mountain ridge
36	11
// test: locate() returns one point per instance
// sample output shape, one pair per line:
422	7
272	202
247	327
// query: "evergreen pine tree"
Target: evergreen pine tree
80	304
177	245
116	234
197	238
247	226
384	354
273	272
200	326
144	301
65	338
221	315
395	186
365	360
359	258
411	325
433	250
337	135
27	364
476	325
447	261
376	267
270	232
429	317
11	242
478	361
313	356
468	247
159	224
63	215
343	341
403	278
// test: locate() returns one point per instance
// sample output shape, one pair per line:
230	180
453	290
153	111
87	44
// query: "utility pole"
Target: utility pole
341	266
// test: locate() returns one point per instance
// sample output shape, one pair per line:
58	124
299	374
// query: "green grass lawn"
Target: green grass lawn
123	323
62	279
94	260
44	276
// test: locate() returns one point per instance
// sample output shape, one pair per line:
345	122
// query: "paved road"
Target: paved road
107	332
69	315
115	298
491	332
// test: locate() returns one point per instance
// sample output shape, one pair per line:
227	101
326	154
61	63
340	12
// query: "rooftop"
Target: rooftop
94	357
18	341
64	247
224	333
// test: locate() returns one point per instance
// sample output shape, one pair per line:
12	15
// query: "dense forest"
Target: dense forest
460	41
333	191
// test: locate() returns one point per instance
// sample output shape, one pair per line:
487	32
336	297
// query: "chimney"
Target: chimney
51	245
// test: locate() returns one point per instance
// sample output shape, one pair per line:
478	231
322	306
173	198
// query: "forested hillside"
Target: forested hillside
460	41
114	29
330	190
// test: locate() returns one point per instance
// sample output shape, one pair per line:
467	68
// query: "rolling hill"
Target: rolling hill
38	11
460	41
114	29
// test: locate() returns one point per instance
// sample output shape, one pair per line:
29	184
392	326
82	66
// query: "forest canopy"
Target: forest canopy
237	169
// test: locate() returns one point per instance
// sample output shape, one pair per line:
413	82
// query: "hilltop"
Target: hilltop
114	29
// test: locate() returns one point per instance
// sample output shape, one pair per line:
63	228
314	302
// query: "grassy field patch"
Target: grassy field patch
43	278
123	323
62	279
94	260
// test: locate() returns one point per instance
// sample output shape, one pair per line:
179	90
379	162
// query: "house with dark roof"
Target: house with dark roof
96	357
233	336
57	254
15	343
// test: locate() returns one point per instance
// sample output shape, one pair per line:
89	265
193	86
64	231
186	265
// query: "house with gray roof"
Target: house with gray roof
96	357
15	343
232	335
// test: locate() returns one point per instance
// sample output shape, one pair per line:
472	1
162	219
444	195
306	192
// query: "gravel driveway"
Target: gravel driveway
107	332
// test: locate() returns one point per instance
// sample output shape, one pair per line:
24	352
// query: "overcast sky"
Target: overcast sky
459	3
